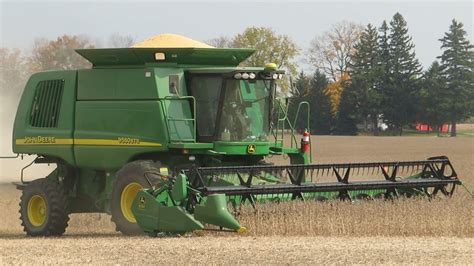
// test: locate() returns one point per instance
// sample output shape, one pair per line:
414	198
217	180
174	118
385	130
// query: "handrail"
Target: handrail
307	126
296	119
168	118
282	121
285	118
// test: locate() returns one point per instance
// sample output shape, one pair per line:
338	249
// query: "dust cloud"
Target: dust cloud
10	168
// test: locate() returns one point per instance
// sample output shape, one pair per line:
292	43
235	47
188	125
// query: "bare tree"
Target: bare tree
221	42
332	52
59	53
13	73
120	41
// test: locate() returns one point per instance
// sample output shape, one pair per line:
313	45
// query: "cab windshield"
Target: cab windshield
231	110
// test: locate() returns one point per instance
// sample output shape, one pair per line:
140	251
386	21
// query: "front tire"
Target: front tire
129	180
44	208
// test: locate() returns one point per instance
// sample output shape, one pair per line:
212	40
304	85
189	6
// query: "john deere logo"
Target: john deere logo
141	203
251	148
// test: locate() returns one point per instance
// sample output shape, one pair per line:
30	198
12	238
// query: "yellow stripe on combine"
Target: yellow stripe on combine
43	141
104	142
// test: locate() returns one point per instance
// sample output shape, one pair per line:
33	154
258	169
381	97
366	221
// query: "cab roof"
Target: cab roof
165	56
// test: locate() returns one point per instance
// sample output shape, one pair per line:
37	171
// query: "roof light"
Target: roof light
238	75
275	76
280	76
159	56
245	75
252	75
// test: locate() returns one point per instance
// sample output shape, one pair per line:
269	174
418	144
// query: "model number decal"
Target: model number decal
124	140
119	141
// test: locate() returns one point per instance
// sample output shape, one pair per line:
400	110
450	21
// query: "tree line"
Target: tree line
364	77
58	54
381	82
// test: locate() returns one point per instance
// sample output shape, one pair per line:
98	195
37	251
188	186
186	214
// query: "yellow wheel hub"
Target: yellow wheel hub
36	210
126	200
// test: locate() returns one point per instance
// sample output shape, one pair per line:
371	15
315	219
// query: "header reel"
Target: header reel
198	195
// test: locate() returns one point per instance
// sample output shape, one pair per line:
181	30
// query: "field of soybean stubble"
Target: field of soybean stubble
401	231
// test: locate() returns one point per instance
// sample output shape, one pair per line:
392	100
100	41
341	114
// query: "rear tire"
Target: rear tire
129	180
44	208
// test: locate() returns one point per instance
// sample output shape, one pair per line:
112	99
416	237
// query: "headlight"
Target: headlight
238	75
252	75
245	75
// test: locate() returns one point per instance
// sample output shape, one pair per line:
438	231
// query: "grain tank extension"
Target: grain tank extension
164	139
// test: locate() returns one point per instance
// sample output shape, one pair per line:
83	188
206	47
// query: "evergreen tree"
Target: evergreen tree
365	72
300	92
312	91
383	80
321	119
401	94
434	98
457	66
346	119
384	45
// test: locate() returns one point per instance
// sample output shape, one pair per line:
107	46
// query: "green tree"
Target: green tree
401	94
457	66
300	92
59	54
312	90
346	118
384	46
383	80
434	107
321	119
365	72
271	48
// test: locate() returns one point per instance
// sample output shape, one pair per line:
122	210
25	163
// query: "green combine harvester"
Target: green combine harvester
165	139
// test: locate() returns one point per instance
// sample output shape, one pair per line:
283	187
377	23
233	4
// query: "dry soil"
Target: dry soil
404	231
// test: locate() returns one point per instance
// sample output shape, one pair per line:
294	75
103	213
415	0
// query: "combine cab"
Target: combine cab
164	139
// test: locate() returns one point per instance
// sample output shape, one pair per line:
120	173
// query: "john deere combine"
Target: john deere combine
164	139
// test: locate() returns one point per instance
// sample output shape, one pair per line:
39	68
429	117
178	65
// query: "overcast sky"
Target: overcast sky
22	22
